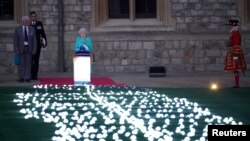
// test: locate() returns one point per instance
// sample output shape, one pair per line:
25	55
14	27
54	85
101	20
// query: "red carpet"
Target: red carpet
60	81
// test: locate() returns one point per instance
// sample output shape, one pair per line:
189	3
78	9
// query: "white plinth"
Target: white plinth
82	70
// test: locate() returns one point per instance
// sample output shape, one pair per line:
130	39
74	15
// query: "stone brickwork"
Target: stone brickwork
196	43
178	54
203	15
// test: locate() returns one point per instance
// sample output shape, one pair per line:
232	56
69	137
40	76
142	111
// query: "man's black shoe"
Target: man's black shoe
20	80
34	78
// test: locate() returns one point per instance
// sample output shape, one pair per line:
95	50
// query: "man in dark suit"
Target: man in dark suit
41	43
25	46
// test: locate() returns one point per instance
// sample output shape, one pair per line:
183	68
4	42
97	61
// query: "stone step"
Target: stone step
7	26
6	37
7	29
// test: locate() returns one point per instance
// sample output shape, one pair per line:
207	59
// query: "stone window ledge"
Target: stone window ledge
126	25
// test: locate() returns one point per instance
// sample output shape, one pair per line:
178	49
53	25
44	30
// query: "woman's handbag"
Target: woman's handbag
17	59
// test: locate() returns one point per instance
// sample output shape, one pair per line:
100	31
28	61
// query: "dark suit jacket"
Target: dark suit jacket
40	33
19	40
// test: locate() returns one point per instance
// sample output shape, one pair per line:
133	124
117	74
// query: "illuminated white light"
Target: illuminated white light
214	86
86	135
115	136
191	133
172	116
133	138
127	134
27	116
158	128
191	120
147	116
186	139
77	121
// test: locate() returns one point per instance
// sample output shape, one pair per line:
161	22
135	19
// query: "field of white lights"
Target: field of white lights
96	113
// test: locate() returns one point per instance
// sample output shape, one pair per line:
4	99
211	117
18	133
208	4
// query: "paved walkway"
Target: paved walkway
172	80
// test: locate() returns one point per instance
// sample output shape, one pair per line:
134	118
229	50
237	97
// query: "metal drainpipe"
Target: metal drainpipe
61	59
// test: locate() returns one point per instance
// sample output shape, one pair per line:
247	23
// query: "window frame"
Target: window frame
20	8
9	8
243	7
100	16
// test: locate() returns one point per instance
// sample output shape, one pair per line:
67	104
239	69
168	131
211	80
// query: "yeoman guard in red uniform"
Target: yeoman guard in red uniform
235	60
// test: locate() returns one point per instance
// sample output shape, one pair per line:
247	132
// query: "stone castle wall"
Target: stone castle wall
198	42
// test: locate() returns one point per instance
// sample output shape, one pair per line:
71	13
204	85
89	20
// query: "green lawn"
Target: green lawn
116	112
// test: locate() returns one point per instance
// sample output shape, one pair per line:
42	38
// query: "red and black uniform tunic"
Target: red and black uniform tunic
235	60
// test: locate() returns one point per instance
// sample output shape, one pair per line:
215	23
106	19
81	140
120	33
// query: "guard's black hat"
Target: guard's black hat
233	22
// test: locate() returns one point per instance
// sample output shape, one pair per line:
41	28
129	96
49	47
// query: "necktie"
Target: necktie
25	34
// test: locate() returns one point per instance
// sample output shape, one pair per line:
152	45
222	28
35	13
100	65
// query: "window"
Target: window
118	9
145	8
132	12
6	9
13	10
